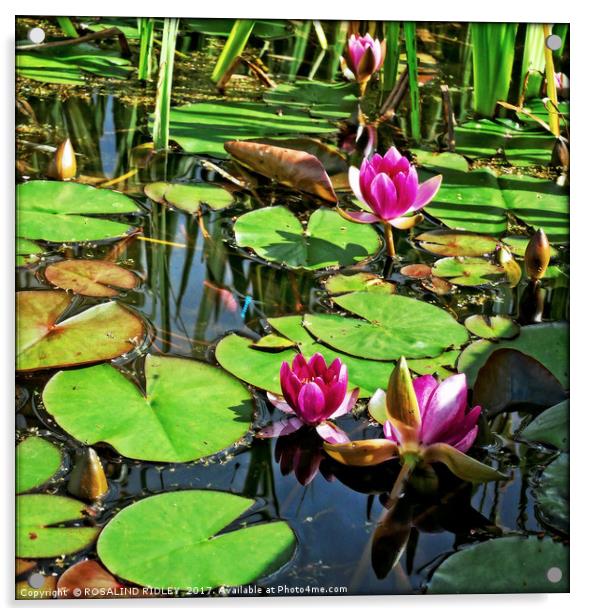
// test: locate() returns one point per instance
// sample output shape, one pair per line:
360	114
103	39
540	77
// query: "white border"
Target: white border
582	247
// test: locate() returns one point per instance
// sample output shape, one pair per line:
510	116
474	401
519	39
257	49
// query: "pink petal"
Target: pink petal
280	428
424	386
445	408
384	197
362	217
465	443
427	190
332	433
290	385
347	404
317	364
280	403
392	433
300	367
354	174
311	403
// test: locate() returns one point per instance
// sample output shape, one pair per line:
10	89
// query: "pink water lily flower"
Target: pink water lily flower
365	56
424	421
390	187
313	393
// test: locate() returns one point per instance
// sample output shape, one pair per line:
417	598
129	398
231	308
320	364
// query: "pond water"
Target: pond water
195	291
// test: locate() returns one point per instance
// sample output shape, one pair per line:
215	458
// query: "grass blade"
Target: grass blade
410	41
67	27
392	36
146	27
238	37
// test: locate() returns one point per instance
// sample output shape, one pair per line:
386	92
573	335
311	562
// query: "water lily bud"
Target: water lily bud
513	271
87	479
401	399
63	165
537	255
560	154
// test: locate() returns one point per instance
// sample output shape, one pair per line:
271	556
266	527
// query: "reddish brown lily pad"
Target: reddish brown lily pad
294	168
449	243
88	580
90	277
45	340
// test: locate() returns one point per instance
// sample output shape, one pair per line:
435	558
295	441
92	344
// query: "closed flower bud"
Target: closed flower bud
560	154
87	479
537	255
63	165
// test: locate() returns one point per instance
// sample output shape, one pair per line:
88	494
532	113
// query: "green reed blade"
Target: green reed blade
410	42
238	37
560	30
392	37
146	28
165	83
67	27
338	37
493	58
553	106
533	62
299	47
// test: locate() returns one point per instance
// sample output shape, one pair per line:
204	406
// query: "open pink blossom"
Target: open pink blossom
390	187
313	393
365	55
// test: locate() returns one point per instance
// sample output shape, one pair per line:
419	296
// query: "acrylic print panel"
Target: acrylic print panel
292	304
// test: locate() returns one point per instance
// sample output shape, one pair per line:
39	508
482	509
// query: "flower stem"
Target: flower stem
403	475
389	239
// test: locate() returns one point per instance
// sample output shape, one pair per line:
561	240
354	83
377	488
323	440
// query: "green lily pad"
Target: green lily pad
174	540
66	212
492	327
44	340
521	146
26	251
260	367
37	461
468	271
480	200
546	342
504	565
552	494
90	277
390	326
68	64
273	342
537	107
362	281
39	533
442	365
277	235
189	197
203	128
517	245
335	101
188	410
456	244
551	427
443	160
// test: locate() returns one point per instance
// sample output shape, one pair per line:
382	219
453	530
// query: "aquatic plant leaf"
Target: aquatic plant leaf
189	197
552	494
276	234
456	244
203	128
88	577
175	540
545	342
460	464
37	532
537	107
442	365
188	410
273	342
390	326
480	200
45	341
37	461
468	271
334	101
504	565
294	168
90	277
263	28
492	327
26	251
443	160
520	145
362	453
517	245
260	367
361	281
65	212
550	427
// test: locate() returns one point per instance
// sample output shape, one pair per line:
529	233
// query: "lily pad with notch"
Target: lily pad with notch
492	327
27	252
551	427
69	212
182	540
468	271
387	328
45	339
456	243
188	409
361	281
40	530
277	235
90	277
